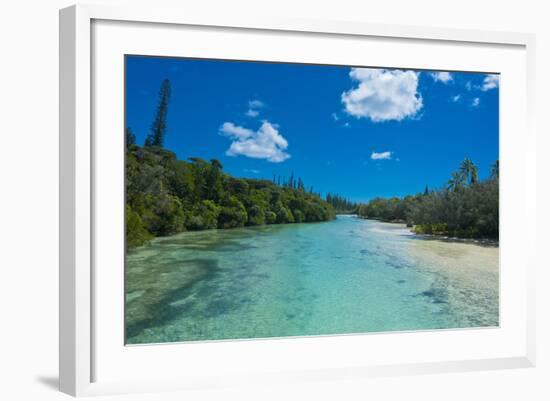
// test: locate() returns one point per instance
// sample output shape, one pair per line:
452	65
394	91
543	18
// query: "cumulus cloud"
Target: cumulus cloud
382	95
252	113
475	102
456	98
491	81
265	143
335	117
442	76
381	156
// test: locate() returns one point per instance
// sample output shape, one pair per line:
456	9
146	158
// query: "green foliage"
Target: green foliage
437	229
466	208
204	216
340	204
270	217
468	170
298	215
136	233
256	216
284	215
391	209
168	196
232	214
158	128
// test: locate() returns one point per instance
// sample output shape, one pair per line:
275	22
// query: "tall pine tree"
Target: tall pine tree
130	137
158	128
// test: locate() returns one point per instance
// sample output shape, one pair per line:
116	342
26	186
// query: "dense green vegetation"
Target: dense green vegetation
166	196
341	204
466	207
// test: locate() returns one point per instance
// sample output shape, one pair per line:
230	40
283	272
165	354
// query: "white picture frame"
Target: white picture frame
79	344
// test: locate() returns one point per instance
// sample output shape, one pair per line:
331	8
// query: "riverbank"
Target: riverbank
475	241
441	237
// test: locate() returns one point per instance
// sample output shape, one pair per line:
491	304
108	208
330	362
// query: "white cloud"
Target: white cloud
236	132
382	95
475	102
265	143
456	98
253	106
442	76
335	117
469	86
381	156
490	81
251	170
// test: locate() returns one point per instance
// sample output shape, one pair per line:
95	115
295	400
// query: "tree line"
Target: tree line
165	196
341	204
466	207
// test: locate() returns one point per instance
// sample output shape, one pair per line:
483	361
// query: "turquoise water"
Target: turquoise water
344	276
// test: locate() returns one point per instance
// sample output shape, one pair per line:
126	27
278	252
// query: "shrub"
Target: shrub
205	216
256	216
232	214
284	216
270	217
299	216
136	233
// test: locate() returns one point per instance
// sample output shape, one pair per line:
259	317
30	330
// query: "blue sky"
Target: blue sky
359	132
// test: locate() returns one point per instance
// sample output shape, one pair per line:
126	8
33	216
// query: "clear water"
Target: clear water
345	276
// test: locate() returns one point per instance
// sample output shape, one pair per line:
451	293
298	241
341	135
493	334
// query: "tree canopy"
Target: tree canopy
166	196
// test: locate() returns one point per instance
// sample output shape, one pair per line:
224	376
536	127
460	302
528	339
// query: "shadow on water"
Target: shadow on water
166	307
165	284
208	294
227	246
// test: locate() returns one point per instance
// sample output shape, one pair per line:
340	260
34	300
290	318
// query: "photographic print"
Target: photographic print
269	199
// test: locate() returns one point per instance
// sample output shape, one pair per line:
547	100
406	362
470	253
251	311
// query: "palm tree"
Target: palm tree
494	170
456	182
469	170
473	175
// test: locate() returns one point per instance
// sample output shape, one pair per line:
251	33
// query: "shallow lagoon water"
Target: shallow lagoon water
344	276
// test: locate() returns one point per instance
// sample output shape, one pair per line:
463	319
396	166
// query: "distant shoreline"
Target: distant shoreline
438	237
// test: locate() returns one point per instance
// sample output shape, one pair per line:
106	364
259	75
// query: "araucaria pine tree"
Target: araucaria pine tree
158	128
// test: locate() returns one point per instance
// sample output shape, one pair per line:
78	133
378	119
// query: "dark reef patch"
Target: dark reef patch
436	295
